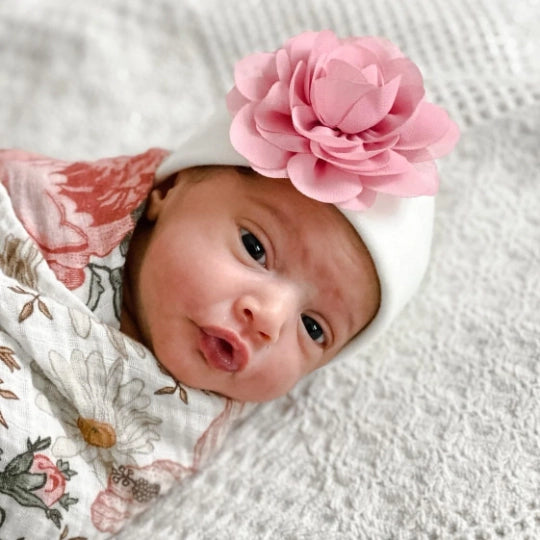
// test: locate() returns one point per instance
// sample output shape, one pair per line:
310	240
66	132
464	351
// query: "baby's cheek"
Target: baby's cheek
284	373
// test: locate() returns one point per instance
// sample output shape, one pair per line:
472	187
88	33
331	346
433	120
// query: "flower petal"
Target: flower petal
255	74
285	138
283	66
322	181
406	70
235	100
65	447
337	68
299	47
407	99
355	55
271	173
380	164
345	157
371	108
248	141
332	138
273	120
362	201
277	99
447	143
323	45
297	91
305	120
383	49
429	124
420	179
332	99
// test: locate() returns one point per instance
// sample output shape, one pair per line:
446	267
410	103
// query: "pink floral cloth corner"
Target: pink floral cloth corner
80	213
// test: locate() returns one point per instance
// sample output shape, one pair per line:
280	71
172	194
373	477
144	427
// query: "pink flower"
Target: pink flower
344	119
131	489
55	486
76	210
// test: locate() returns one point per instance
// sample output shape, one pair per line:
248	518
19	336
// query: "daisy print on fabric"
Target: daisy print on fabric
82	325
105	419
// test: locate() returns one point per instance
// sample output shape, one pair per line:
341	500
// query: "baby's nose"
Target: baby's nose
266	312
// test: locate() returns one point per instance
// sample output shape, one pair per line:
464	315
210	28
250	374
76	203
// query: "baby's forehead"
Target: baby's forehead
280	194
295	210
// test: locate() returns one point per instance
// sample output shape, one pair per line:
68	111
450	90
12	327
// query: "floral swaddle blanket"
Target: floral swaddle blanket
92	431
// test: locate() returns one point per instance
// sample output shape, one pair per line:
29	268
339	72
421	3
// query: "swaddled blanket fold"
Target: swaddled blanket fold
92	430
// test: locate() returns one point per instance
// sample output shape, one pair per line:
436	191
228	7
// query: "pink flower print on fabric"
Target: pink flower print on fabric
55	483
131	489
76	210
344	119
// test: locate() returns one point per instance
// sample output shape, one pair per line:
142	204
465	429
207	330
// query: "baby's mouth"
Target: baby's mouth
223	349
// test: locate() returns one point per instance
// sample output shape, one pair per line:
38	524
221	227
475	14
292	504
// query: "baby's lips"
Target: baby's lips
223	349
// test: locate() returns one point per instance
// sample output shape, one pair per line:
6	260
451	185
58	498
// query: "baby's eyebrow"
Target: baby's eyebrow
282	217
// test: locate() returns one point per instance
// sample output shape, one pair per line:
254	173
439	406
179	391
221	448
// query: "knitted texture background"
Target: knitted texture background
433	431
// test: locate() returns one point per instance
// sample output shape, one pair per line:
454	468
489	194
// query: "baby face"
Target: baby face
241	285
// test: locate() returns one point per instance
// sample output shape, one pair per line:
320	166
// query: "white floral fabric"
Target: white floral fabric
92	431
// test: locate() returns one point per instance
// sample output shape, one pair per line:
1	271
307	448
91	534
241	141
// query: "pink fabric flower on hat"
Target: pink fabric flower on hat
344	119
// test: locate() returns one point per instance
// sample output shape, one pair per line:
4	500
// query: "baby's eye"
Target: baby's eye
314	329
253	246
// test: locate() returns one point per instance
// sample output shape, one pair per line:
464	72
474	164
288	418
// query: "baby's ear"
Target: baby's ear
157	197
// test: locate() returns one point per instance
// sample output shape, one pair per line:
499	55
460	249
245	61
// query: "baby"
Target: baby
242	284
268	244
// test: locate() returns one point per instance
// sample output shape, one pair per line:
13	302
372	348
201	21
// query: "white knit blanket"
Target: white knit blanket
433	431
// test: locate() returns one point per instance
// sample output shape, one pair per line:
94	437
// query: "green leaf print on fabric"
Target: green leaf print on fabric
32	480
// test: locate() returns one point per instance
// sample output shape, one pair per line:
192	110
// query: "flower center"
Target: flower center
97	433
